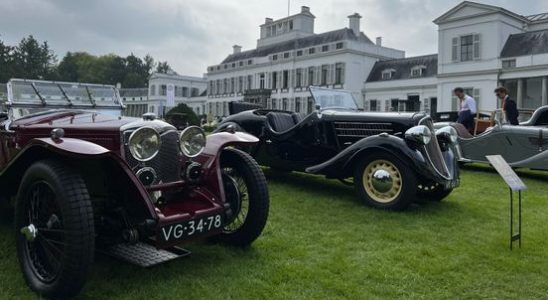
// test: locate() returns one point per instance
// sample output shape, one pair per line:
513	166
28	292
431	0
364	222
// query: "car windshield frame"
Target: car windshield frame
31	97
333	98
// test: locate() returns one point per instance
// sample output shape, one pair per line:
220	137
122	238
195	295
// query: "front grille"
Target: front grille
165	163
433	151
357	129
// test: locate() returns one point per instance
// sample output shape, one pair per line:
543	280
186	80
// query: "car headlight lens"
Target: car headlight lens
447	133
419	134
192	141
144	143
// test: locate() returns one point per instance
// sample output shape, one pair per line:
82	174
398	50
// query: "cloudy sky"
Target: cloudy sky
193	34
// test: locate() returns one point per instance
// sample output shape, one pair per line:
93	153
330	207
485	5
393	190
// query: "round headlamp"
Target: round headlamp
144	143
192	141
419	134
447	133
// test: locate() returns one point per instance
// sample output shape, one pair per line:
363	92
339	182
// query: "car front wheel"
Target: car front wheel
54	229
247	193
383	181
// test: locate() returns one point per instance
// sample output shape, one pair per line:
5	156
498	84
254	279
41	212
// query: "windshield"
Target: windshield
27	97
329	98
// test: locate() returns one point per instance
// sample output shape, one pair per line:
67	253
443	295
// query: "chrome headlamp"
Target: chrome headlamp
144	143
419	134
447	133
192	141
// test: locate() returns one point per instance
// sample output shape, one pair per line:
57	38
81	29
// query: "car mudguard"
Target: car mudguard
44	148
342	165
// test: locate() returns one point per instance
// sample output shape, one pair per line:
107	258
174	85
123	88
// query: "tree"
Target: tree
182	114
6	62
33	60
163	67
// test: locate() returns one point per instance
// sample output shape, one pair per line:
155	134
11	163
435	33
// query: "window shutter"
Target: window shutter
366	105
477	48
455	49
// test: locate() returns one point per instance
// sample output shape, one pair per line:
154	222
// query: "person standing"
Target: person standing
467	108
509	106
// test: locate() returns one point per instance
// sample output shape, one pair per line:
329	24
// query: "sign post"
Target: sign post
514	184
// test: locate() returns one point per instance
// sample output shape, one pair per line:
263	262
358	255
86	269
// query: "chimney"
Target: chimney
354	23
379	41
267	20
305	9
236	49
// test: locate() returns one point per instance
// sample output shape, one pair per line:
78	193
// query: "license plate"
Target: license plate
184	230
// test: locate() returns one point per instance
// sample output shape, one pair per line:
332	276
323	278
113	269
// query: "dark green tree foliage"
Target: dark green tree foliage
33	60
182	114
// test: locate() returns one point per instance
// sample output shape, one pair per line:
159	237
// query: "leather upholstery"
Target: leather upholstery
298	117
280	122
462	131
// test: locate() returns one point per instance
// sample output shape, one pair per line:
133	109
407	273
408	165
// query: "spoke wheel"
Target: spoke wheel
383	181
247	193
54	229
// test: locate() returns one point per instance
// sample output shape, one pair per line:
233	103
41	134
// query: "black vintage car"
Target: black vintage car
394	158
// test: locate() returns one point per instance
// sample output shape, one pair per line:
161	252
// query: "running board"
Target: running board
144	255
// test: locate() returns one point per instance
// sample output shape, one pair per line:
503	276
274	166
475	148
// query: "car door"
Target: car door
525	142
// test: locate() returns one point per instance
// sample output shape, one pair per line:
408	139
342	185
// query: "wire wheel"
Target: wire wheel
238	196
382	181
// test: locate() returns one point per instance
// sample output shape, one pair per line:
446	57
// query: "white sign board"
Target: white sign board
506	172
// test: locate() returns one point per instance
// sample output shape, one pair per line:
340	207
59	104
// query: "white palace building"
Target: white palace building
288	58
479	48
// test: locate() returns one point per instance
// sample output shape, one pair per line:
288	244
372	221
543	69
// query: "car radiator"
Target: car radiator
433	151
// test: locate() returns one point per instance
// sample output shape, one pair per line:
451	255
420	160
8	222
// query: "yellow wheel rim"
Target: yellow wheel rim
382	181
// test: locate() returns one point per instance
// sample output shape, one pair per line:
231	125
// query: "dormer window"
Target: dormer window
275	57
418	71
388	74
286	55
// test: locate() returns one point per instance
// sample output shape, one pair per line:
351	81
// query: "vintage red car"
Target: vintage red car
83	178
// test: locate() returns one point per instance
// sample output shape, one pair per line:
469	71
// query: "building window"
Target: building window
324	74
311	76
261	81
286	55
249	62
249	82
273	103
298	77
163	90
310	104
240	84
466	48
373	105
290	24
153	90
185	92
298	104
418	71
339	73
275	57
151	109
388	74
232	85
195	92
285	79
508	63
339	46
233	65
299	52
211	84
225	66
225	86
218	88
274	80
241	64
284	104
218	67
325	48
311	50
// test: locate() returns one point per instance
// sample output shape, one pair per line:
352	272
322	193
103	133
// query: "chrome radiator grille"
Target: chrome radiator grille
165	163
357	129
433	151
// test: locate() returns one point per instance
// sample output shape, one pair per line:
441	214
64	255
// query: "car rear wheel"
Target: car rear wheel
54	230
383	181
246	191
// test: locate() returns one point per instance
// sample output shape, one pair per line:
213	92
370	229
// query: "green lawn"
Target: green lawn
322	243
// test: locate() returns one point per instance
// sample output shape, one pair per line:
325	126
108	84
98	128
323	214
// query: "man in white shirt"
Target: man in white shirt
467	108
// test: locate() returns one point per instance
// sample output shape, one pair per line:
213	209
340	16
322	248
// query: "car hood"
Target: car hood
74	120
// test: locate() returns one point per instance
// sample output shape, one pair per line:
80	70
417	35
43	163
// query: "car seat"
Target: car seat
280	122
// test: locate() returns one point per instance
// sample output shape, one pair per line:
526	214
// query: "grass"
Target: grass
322	243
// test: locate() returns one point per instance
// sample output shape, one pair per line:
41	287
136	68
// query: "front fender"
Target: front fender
70	146
218	141
342	165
